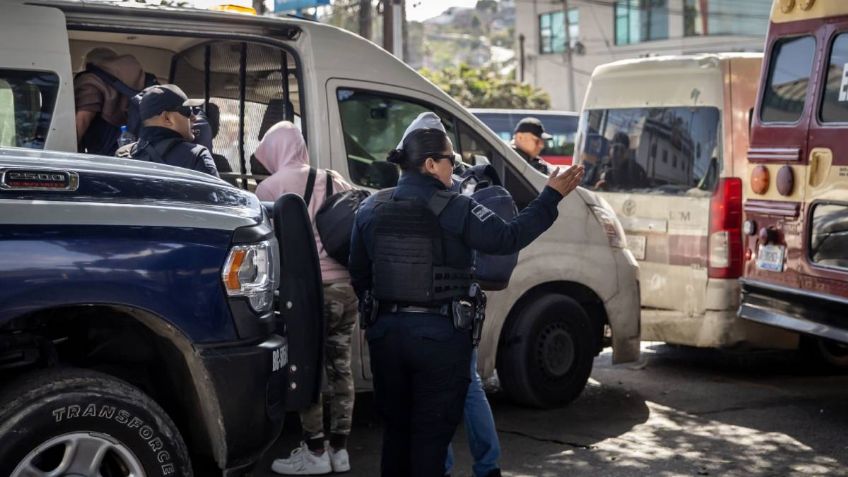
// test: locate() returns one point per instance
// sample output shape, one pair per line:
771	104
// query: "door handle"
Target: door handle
820	160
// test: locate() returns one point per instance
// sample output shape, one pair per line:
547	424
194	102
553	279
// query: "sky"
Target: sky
416	10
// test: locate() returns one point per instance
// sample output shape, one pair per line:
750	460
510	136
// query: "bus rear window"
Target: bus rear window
834	106
829	240
658	150
788	79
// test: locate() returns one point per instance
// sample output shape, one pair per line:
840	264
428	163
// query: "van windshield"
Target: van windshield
674	150
563	128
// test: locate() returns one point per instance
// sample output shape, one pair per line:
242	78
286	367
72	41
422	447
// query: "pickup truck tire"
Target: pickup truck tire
82	423
546	352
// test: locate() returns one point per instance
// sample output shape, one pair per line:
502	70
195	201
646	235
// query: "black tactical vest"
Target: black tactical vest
408	264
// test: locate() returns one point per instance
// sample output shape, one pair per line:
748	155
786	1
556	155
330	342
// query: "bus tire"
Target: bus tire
832	354
546	352
79	422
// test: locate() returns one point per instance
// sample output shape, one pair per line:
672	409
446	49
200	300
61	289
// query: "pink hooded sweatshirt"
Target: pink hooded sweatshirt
283	152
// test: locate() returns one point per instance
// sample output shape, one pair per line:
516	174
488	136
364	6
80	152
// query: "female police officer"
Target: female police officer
411	261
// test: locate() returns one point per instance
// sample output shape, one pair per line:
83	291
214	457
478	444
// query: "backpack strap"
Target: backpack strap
439	200
112	81
310	185
158	150
329	191
384	195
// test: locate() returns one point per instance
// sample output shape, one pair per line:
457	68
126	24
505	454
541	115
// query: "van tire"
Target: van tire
546	352
47	413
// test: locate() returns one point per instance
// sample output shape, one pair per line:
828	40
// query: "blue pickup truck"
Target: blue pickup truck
150	321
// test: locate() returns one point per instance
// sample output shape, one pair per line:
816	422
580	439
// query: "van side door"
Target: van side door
825	222
367	120
36	85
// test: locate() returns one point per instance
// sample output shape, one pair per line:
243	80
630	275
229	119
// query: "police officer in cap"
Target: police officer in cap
410	263
528	140
166	134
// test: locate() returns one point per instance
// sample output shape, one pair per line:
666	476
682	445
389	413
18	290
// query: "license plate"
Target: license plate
770	257
636	244
279	358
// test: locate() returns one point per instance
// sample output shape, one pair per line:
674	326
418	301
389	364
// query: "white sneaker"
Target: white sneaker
340	460
303	462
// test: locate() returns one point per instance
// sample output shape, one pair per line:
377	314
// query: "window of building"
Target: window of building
27	99
834	105
640	20
788	79
552	30
373	124
829	235
628	165
726	17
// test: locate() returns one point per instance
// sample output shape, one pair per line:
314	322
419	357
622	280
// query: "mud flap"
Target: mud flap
301	301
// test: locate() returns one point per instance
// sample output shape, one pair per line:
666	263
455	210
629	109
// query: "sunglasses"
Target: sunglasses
439	157
187	111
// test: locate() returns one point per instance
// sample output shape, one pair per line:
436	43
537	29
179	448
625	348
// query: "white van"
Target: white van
674	132
574	291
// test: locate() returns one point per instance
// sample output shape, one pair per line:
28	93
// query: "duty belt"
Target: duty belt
444	310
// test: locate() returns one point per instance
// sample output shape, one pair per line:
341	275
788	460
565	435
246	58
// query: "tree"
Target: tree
487	88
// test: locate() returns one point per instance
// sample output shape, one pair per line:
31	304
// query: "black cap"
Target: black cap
163	97
532	126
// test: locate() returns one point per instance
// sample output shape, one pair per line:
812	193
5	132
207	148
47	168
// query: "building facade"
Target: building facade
601	31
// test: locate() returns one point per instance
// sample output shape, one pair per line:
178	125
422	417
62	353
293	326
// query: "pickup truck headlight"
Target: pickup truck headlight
252	271
611	225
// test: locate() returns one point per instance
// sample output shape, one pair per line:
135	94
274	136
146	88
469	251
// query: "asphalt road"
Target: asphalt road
680	412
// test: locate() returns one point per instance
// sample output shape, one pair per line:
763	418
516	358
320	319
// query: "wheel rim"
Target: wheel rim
80	454
555	351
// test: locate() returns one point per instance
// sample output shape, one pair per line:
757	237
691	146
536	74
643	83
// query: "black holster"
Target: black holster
368	309
479	297
469	312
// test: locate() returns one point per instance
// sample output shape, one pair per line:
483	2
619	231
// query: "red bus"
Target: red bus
796	208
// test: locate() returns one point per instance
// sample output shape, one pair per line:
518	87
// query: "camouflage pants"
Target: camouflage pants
340	313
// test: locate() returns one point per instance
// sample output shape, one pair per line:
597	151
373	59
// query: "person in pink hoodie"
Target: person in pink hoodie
283	152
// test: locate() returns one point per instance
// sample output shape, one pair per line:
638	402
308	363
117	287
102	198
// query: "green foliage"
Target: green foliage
487	88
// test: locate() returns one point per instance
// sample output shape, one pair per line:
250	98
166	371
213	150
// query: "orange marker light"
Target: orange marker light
231	280
760	180
234	9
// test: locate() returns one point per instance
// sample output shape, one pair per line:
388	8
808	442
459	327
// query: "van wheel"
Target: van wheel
83	423
828	352
546	352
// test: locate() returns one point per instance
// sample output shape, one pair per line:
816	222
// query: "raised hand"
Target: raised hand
565	182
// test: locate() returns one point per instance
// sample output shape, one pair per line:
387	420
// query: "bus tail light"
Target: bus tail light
725	240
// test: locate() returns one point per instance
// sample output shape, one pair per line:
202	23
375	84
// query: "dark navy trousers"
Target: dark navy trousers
421	369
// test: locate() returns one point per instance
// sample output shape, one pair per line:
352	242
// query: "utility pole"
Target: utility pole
569	58
392	36
521	57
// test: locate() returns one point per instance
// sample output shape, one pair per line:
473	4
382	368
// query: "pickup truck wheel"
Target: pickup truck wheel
81	423
546	352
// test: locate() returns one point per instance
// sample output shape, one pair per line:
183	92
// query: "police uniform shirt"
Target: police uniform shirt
182	154
466	226
536	162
